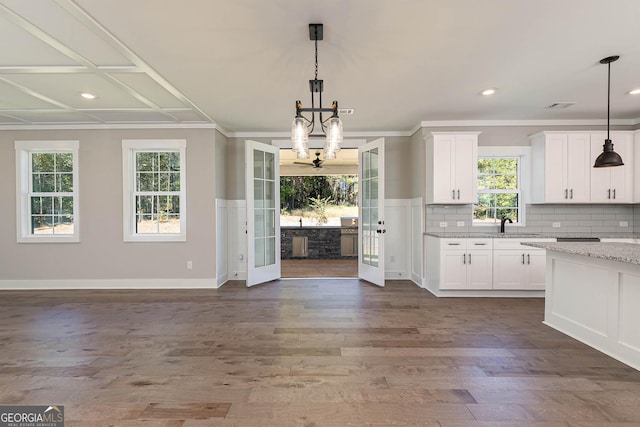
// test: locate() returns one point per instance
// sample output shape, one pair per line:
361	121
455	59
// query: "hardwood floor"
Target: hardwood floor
303	353
309	268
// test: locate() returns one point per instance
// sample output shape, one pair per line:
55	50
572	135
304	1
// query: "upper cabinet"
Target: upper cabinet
612	185
561	167
636	173
452	167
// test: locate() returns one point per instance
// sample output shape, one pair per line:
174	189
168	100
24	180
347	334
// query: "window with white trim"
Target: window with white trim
154	190
47	191
499	190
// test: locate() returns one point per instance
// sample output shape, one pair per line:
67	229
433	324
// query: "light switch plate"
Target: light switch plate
555	225
459	223
443	224
624	224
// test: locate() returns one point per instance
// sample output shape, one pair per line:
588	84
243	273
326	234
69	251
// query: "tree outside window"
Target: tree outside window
498	190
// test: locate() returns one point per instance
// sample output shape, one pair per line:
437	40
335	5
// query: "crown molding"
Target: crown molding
352	134
479	123
113	126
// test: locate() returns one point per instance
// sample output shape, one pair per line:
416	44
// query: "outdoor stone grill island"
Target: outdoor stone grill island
593	294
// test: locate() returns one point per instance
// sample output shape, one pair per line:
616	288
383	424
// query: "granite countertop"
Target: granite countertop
516	235
621	252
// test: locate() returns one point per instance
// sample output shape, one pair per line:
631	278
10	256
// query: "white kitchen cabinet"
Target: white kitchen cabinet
636	164
518	267
614	184
452	168
460	263
561	167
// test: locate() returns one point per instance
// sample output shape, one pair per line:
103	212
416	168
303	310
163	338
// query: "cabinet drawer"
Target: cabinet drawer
453	243
479	244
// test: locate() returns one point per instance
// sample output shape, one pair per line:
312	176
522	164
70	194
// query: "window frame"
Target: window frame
129	149
24	190
523	153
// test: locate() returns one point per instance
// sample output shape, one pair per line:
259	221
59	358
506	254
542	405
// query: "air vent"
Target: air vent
560	105
345	111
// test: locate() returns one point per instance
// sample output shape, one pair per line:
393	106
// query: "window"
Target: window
47	191
499	194
154	190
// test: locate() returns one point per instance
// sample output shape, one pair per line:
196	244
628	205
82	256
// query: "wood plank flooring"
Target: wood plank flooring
309	268
303	353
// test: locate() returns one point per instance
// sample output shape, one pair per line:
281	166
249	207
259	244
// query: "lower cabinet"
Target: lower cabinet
461	263
485	264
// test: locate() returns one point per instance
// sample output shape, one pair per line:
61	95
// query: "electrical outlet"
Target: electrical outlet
624	224
459	223
189	265
555	225
443	224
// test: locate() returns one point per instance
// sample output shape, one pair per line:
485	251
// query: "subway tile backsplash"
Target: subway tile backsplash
540	219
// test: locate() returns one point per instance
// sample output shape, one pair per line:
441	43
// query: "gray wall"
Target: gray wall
398	177
101	253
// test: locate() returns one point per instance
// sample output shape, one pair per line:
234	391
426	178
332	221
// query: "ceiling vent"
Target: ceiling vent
345	111
560	105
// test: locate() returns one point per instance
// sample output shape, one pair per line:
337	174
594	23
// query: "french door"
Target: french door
371	212
262	177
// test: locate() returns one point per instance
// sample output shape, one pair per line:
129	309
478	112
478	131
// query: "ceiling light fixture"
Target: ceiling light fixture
634	92
608	157
87	95
302	127
488	92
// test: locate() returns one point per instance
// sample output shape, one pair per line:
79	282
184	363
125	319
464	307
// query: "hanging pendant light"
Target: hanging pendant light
608	157
302	128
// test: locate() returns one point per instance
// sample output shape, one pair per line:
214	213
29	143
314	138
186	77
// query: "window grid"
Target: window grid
157	192
499	192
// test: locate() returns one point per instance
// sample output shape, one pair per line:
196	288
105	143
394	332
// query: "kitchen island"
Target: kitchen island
592	294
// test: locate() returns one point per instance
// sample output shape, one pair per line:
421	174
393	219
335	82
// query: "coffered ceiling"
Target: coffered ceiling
241	64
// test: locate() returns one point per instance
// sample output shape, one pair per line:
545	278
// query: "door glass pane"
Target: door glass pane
365	164
270	222
373	163
258	193
260	261
269	166
258	217
258	164
269	194
270	251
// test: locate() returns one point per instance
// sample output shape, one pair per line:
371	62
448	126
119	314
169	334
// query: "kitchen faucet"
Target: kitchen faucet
503	221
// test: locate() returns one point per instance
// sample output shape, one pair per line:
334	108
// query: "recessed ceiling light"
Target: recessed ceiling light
87	95
488	92
634	92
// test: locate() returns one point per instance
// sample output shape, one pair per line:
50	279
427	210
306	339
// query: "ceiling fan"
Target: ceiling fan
317	163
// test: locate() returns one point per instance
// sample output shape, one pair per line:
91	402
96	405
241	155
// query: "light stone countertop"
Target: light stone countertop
621	252
516	235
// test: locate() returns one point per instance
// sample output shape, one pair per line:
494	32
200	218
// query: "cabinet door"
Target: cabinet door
579	166
454	271
622	176
480	269
555	169
466	168
536	269
508	272
443	174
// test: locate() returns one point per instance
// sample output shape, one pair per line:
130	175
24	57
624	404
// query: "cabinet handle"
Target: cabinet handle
469	258
608	193
453	244
571	192
464	258
614	193
458	194
566	193
479	244
528	258
523	258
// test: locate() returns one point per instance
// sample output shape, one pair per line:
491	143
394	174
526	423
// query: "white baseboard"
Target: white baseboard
109	284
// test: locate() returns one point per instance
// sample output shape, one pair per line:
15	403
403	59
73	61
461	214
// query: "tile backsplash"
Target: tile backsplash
540	219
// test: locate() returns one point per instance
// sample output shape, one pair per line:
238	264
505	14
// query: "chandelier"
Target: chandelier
302	127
